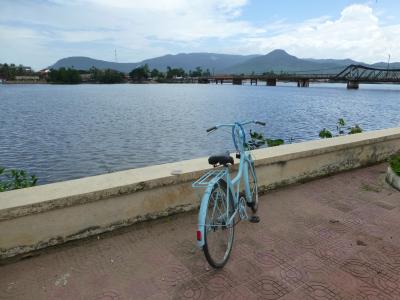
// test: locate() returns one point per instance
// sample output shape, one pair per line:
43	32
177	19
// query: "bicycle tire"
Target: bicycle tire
210	256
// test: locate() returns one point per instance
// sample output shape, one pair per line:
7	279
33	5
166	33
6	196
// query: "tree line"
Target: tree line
139	74
74	76
9	71
143	73
64	75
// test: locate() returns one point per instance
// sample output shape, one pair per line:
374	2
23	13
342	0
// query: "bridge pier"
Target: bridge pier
352	85
253	80
237	81
271	82
203	80
303	83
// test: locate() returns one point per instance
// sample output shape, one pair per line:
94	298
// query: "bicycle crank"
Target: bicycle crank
242	209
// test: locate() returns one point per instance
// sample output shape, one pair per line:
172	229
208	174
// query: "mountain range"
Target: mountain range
276	61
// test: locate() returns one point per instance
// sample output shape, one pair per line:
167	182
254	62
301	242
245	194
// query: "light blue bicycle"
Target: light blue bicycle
226	201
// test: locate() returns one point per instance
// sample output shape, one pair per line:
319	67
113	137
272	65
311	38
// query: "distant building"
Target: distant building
86	77
44	73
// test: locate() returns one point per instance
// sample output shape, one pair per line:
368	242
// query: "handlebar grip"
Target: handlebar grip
260	123
212	128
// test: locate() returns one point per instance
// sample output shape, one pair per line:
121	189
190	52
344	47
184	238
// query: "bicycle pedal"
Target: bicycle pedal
254	219
249	204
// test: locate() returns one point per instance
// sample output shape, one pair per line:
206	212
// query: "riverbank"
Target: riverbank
100	83
26	82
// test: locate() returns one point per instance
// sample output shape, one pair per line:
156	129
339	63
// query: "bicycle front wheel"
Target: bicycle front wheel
219	233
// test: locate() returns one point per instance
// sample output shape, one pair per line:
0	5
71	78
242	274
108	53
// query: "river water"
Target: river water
61	132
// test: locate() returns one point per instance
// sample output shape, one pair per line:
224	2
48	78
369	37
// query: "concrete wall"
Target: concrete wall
46	215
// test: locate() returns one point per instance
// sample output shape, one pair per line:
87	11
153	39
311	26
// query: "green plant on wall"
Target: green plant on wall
257	140
325	134
274	143
11	179
395	164
341	129
340	126
355	129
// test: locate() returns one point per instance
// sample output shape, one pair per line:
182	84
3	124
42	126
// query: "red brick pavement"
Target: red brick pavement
333	238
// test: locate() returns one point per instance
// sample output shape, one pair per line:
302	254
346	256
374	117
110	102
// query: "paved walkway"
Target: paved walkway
333	238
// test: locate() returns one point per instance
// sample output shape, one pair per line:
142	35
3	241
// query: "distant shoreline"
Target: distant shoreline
26	82
46	82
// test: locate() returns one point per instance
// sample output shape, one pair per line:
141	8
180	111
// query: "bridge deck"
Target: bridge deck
333	238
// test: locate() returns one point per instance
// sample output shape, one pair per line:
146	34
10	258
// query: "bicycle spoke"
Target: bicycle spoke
214	207
218	207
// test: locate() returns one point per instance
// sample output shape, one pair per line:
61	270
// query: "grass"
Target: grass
395	164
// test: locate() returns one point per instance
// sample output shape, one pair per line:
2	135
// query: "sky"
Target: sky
39	32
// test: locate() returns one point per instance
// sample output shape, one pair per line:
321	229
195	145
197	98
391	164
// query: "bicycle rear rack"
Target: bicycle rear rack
211	177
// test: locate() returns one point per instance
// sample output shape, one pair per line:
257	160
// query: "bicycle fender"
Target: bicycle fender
202	216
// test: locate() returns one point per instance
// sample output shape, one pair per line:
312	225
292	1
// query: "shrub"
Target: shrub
325	134
395	164
11	179
274	143
355	129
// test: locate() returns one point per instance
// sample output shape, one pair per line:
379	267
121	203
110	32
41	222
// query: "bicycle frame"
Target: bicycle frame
233	185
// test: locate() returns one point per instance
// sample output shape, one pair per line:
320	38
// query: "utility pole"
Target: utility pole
388	66
115	55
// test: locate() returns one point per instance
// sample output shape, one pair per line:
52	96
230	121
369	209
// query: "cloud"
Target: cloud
138	28
357	34
38	33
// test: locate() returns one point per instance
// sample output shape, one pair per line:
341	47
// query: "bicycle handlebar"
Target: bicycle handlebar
231	125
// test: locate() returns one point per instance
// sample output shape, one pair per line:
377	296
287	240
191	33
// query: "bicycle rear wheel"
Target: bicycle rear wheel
218	234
